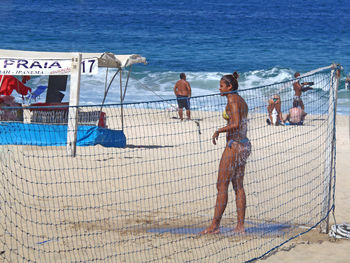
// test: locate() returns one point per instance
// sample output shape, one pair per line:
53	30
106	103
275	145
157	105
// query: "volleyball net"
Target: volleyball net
142	184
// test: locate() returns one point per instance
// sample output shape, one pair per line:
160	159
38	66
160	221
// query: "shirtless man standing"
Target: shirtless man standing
182	91
299	88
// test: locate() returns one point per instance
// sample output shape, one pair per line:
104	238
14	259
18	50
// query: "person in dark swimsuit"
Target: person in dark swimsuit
182	90
299	88
235	155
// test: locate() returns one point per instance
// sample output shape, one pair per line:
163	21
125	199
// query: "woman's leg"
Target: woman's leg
270	108
237	182
224	179
279	112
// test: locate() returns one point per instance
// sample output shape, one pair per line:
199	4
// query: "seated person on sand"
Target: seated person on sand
274	110
299	88
296	115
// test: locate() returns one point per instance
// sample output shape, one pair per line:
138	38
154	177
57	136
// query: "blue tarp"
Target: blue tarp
56	135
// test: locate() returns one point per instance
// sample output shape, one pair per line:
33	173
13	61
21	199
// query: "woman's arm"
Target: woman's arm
233	122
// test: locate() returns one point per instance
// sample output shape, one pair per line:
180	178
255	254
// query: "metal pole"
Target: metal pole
127	81
106	90
329	153
73	103
121	100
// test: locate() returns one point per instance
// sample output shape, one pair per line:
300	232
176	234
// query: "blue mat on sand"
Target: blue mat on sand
56	135
264	229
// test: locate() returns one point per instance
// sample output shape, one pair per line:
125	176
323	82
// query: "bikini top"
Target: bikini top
225	115
243	125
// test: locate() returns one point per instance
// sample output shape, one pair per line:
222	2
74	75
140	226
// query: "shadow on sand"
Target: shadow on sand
148	146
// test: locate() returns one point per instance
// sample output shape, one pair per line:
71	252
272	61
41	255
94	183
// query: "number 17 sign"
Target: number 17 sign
45	66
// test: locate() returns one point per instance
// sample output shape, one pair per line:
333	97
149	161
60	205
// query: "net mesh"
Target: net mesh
147	201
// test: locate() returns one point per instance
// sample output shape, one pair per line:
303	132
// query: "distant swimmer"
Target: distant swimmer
299	88
235	155
347	83
182	91
274	110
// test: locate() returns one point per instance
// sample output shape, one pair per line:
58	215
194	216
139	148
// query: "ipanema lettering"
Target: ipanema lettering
45	66
28	72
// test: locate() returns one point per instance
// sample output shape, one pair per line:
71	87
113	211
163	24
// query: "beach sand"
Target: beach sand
322	248
117	205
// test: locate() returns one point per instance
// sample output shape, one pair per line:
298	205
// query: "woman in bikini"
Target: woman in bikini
274	104
235	155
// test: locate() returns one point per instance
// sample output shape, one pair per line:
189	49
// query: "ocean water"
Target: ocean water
265	41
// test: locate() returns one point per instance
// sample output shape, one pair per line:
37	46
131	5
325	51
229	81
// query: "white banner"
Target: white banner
45	66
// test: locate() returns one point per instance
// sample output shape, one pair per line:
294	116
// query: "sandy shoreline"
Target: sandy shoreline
322	248
109	203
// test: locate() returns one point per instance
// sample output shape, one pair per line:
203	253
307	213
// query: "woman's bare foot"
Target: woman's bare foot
210	230
239	230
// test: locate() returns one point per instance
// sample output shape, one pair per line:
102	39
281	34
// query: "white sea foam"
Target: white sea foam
151	86
147	85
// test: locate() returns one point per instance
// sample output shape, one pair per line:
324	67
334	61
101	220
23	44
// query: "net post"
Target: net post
73	103
330	145
121	100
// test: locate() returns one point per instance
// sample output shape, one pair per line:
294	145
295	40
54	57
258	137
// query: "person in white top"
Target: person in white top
274	110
